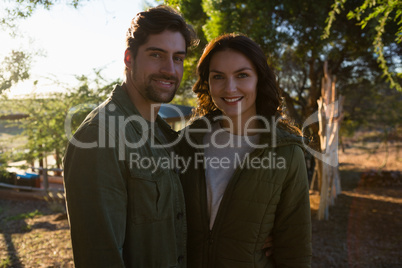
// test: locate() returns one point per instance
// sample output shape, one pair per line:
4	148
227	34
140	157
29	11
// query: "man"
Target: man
124	209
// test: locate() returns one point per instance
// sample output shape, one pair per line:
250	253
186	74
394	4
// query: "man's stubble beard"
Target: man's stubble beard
151	93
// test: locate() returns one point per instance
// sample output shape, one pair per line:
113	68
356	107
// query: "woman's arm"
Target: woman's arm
292	227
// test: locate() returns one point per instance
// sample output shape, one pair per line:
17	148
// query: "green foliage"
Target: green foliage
14	68
380	11
371	105
45	125
190	9
336	8
289	32
23	216
3	162
275	25
6	262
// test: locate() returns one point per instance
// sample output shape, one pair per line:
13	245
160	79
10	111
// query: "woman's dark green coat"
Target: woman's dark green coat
259	201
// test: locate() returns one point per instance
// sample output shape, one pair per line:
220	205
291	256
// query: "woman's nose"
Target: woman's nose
230	85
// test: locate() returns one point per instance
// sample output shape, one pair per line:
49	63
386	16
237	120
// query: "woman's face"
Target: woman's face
233	84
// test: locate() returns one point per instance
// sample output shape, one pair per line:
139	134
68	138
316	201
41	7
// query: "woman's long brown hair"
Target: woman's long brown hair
268	100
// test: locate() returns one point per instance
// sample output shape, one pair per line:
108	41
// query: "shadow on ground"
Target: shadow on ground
23	221
364	228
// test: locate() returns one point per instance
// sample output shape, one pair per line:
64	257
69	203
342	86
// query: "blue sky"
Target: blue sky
75	41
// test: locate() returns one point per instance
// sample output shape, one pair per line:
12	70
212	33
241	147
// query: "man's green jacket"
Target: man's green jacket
125	208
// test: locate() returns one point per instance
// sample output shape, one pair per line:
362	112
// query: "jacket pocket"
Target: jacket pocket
143	197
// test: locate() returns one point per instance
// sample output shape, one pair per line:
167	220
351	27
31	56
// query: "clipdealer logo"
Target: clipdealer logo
112	132
200	161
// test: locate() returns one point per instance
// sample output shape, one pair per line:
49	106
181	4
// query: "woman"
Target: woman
246	180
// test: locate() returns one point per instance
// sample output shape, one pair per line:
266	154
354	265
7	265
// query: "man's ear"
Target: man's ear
128	59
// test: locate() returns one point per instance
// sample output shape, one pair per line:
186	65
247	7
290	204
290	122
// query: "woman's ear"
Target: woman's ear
128	58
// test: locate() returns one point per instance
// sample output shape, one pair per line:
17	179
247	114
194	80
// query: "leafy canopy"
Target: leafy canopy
380	11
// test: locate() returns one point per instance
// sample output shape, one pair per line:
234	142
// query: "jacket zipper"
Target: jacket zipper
222	207
204	211
210	239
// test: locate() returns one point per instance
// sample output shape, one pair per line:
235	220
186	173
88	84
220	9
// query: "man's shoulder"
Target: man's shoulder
100	117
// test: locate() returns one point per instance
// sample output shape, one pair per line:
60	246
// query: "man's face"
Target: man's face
157	70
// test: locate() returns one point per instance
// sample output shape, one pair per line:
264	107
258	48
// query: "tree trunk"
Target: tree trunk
329	115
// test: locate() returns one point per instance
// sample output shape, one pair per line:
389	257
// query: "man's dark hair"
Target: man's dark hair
154	21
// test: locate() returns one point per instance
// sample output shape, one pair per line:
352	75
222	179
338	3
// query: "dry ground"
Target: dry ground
34	232
364	227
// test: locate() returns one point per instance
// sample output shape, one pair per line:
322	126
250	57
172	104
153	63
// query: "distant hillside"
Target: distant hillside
5	128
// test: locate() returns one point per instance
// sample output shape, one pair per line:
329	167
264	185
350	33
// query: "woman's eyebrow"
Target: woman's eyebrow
239	70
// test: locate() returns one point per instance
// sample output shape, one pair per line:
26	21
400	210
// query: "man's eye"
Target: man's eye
179	59
155	55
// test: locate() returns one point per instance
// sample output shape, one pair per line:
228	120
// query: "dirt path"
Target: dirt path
364	227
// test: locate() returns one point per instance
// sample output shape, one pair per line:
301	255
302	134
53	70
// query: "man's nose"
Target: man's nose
167	67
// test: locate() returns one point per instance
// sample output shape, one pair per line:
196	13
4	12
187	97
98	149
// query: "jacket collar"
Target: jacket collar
121	99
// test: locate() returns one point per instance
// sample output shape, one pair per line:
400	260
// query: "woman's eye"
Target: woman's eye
243	75
217	76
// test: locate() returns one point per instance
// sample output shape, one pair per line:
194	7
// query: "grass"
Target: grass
5	262
29	215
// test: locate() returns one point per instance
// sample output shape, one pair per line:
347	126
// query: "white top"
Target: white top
223	155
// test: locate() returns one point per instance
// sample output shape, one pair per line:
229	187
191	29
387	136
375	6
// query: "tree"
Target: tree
289	32
382	11
16	66
3	162
22	9
45	125
372	107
